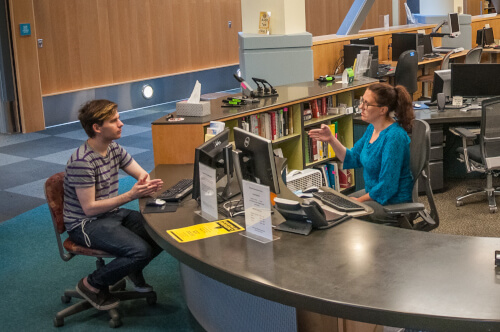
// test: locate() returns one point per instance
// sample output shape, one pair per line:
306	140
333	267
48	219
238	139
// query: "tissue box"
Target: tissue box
184	108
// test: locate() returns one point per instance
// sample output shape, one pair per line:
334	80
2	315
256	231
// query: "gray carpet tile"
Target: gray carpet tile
141	140
40	147
64	128
32	189
23	172
78	134
6	159
12	204
11	139
60	158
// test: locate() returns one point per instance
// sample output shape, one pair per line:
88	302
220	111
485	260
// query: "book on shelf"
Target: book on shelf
290	122
307	148
333	128
345	177
324	106
314	108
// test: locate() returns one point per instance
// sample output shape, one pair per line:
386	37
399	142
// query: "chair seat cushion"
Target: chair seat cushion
77	249
474	152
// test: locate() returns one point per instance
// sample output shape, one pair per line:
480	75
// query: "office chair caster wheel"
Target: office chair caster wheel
114	323
151	300
58	322
460	203
493	209
65	299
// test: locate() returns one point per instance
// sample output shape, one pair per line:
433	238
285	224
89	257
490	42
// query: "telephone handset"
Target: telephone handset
308	210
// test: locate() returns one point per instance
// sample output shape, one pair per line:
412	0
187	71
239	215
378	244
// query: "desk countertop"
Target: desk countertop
288	95
356	270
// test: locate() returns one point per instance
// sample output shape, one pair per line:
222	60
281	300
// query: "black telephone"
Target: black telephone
307	210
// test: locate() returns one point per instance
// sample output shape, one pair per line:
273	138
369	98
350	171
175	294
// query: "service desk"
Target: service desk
356	270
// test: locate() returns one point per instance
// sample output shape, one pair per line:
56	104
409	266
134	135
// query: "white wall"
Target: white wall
287	16
437	7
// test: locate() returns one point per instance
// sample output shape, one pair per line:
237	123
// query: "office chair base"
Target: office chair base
115	319
490	194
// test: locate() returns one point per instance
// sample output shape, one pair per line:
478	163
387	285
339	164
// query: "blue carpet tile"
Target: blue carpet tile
27	160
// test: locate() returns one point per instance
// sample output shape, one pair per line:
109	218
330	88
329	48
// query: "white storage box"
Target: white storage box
184	108
300	180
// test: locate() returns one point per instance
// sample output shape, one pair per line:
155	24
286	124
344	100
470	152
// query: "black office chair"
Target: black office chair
483	157
414	215
54	193
474	55
406	71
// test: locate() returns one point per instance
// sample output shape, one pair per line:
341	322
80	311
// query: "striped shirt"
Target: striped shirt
87	168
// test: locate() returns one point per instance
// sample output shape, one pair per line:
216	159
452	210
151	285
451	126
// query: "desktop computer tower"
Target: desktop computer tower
351	51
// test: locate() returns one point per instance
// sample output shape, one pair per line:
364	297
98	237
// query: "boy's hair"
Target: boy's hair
96	111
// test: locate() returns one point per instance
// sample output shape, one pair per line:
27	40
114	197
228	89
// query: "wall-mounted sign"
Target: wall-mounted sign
25	29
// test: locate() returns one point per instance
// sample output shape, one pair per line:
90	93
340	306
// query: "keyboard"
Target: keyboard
337	202
178	191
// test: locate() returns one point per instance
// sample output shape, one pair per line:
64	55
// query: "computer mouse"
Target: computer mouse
156	202
312	189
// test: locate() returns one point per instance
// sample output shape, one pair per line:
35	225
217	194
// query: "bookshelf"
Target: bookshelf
175	142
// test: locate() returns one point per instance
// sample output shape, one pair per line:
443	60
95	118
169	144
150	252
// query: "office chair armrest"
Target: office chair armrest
404	208
466	133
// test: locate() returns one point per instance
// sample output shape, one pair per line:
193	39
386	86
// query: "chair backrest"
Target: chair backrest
490	133
420	149
407	70
54	193
474	55
445	63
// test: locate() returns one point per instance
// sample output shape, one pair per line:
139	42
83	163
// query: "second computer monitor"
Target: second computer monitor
454	24
475	80
351	51
256	159
442	84
402	42
485	37
363	41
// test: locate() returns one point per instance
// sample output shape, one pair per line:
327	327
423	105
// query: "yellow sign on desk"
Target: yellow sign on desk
203	231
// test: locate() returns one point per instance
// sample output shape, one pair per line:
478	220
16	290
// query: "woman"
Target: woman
384	149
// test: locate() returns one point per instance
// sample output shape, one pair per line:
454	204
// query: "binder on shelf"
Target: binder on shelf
333	173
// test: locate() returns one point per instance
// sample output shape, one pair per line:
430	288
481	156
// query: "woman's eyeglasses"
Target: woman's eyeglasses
365	103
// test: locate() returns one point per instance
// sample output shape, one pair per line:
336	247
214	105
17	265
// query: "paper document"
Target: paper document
206	230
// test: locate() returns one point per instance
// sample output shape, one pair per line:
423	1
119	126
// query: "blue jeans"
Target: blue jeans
122	234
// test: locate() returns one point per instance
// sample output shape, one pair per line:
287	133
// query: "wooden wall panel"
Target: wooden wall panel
89	43
323	17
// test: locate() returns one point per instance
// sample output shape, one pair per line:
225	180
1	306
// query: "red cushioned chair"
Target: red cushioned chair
54	193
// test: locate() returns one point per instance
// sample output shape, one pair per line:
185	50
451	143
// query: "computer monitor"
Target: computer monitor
363	41
442	84
403	41
215	153
351	51
426	41
475	80
454	25
484	37
256	159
